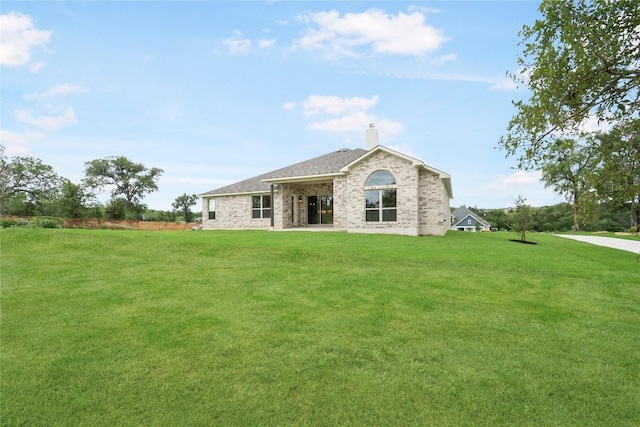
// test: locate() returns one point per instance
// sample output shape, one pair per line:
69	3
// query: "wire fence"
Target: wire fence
98	223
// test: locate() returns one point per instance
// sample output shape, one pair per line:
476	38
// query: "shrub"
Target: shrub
47	223
21	222
6	223
605	224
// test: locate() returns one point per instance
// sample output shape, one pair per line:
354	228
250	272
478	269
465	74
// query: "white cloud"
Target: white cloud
289	106
15	143
489	189
335	105
444	59
36	67
423	9
358	122
59	90
17	38
593	124
9	137
493	82
17	150
338	114
238	43
404	149
265	43
351	34
513	81
46	123
517	180
505	84
349	123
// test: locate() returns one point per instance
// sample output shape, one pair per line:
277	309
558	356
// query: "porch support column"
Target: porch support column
273	208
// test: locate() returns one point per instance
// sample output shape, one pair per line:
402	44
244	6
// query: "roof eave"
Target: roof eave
304	178
243	193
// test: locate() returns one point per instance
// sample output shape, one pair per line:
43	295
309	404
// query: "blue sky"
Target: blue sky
216	92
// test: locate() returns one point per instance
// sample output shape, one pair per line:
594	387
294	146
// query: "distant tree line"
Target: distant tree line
559	217
28	187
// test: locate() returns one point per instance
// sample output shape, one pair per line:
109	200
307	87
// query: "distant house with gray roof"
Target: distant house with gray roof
464	219
377	190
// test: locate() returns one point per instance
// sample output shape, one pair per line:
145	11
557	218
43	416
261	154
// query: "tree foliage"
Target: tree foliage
568	167
559	217
183	204
521	221
26	181
619	175
75	200
127	180
580	60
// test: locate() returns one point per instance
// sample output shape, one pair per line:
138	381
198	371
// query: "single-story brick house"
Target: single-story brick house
377	190
464	219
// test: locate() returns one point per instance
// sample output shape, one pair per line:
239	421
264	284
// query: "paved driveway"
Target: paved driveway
610	242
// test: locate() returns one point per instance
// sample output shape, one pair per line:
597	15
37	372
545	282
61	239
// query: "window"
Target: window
212	208
261	207
380	203
380	178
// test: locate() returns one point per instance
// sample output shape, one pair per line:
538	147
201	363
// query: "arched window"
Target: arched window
380	177
380	203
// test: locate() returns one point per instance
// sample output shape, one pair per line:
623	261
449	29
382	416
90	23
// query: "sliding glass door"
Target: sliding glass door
320	209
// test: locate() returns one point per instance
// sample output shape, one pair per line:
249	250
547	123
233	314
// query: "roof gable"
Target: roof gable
463	212
446	178
376	149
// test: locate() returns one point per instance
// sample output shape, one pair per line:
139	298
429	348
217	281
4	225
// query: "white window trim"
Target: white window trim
381	209
262	209
210	201
380	189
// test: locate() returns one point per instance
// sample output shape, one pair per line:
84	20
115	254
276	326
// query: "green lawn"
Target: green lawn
105	328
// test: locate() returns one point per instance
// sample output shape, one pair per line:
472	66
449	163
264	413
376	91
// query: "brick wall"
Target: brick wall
433	205
232	212
407	180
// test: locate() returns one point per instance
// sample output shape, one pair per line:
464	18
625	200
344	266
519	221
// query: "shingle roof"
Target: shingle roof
462	212
322	165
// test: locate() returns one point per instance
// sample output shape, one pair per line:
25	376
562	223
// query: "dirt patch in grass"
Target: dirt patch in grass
526	242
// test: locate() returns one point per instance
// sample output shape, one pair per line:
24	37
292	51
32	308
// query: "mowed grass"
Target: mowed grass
103	328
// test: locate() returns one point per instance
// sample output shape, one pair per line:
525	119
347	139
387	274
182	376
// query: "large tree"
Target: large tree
580	61
183	204
75	200
568	167
28	181
619	175
127	180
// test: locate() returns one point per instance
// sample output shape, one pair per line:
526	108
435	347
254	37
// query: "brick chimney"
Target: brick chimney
372	137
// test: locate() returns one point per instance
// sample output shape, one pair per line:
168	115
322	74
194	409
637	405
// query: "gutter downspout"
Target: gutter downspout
273	210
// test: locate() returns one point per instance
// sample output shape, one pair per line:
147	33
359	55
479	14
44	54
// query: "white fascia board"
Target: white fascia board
246	193
304	178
